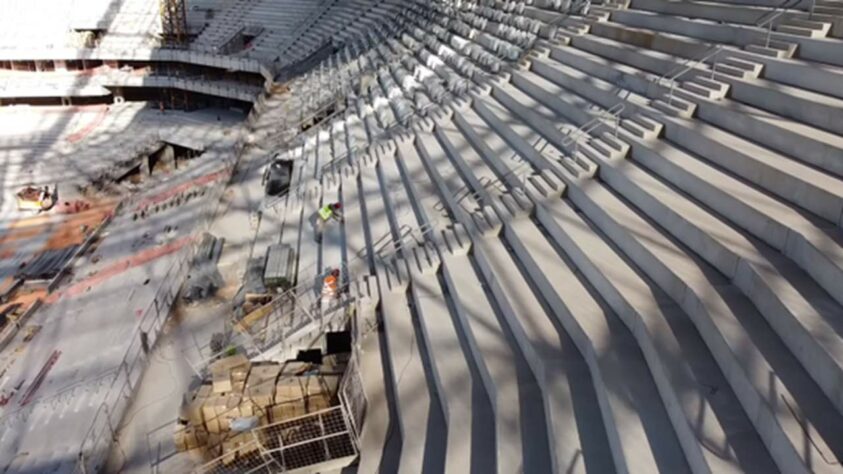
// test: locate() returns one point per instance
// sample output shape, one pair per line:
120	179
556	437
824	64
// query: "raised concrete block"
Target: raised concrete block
674	107
513	206
365	290
455	241
424	260
394	277
349	172
544	186
368	160
424	124
486	222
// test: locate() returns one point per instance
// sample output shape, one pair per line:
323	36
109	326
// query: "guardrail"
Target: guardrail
571	143
686	66
297	311
585	130
768	19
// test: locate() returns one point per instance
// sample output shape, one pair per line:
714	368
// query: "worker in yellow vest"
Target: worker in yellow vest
325	214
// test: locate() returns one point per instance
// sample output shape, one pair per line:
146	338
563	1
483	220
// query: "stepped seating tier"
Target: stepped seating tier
572	289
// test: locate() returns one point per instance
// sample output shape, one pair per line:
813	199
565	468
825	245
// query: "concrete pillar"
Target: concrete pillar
118	95
60	65
145	166
167	156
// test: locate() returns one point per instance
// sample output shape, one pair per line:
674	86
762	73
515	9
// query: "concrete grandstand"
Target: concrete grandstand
589	236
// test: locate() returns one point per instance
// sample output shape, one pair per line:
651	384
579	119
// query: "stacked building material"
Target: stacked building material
241	393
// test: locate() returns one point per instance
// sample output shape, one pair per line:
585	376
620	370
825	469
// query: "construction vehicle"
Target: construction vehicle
32	198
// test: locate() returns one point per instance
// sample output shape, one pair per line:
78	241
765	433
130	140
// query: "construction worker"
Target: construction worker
330	288
325	214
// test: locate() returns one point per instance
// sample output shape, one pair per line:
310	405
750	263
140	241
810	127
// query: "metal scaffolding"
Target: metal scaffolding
173	22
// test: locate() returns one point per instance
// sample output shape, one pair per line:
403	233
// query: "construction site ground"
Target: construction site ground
145	439
66	370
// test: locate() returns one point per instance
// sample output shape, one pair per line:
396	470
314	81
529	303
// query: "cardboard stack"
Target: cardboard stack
231	410
214	403
270	392
260	391
192	411
320	391
239	374
190	437
229	373
289	400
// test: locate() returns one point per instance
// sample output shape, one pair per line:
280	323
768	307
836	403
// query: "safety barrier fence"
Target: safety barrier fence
315	438
330	435
291	320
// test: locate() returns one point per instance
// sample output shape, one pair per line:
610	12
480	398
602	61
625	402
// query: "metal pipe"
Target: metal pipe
769	34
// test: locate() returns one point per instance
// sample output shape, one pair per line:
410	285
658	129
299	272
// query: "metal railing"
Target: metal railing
330	435
672	77
571	143
768	19
320	437
295	125
573	139
520	172
290	317
387	246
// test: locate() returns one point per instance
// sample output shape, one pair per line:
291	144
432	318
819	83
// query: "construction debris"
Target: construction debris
39	379
15	314
254	290
31	198
47	264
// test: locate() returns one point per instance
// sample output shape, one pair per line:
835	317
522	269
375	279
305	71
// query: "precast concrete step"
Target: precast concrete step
799	31
597	204
766	51
494	356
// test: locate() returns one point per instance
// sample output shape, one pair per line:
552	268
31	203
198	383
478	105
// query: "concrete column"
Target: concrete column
118	95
